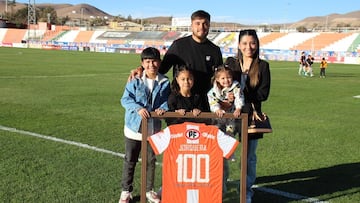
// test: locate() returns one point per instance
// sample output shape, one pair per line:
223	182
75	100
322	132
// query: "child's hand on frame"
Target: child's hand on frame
220	113
196	112
144	113
181	111
237	113
159	112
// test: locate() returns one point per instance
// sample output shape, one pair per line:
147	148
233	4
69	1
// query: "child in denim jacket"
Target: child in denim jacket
141	96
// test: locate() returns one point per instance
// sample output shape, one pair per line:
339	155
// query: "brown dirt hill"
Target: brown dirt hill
63	10
331	20
74	11
16	7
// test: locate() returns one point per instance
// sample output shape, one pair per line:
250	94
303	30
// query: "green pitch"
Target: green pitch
314	151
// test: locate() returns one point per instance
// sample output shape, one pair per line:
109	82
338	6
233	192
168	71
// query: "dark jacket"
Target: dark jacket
256	94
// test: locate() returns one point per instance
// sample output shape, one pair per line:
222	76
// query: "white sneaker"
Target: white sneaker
125	197
152	197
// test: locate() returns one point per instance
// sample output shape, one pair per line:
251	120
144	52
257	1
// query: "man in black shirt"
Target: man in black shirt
196	52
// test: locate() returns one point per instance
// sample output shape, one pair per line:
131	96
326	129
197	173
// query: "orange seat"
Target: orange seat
14	35
270	37
84	36
320	41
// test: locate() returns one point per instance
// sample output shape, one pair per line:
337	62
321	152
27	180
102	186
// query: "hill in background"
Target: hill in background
351	19
63	10
86	11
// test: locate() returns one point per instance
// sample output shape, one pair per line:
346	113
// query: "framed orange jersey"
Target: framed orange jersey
192	161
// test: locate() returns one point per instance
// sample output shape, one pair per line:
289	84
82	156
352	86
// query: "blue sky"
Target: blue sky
240	11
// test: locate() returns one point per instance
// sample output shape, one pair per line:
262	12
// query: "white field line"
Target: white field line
288	195
57	76
86	146
78	144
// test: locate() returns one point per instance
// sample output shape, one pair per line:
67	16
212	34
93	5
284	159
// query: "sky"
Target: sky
239	11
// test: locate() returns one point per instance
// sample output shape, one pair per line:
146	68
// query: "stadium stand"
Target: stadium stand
34	34
355	45
261	35
171	36
149	35
343	44
153	43
287	41
49	35
94	37
69	36
84	36
116	41
2	34
211	36
270	37
274	45
226	39
60	35
320	41
14	35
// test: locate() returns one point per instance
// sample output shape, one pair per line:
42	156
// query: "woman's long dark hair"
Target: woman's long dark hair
254	68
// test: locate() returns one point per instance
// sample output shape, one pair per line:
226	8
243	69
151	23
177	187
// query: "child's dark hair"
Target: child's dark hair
150	53
219	69
174	85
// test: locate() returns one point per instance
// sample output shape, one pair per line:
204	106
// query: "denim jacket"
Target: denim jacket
136	96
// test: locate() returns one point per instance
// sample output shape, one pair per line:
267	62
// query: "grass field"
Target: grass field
314	151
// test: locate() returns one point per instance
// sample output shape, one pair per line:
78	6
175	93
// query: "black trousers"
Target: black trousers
132	152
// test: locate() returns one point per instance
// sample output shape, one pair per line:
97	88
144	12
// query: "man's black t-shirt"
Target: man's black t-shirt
201	58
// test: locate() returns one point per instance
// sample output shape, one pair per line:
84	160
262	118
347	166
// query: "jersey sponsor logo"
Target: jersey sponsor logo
176	135
207	135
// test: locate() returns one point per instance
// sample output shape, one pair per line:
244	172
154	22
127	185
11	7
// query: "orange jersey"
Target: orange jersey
192	161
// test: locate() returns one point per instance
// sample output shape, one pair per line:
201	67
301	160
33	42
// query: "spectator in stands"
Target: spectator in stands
196	52
323	66
254	74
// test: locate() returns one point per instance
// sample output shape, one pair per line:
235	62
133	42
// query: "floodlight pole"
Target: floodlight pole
31	18
81	15
244	145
